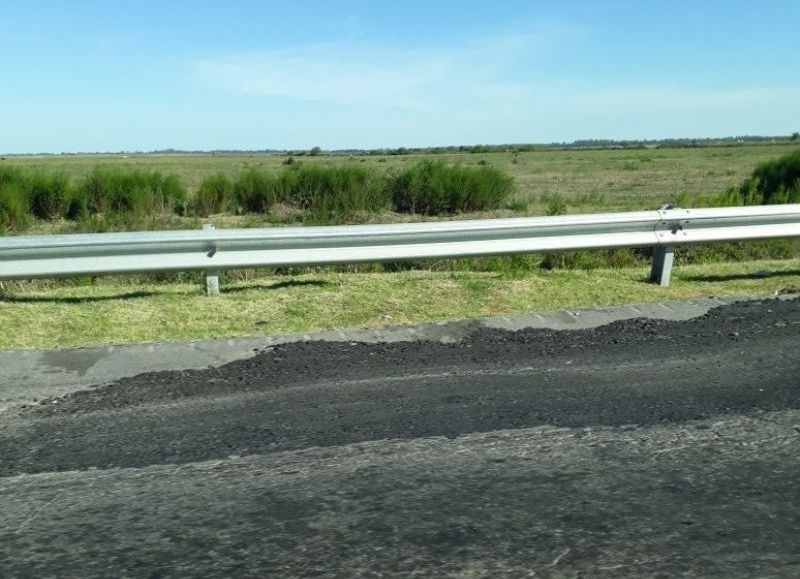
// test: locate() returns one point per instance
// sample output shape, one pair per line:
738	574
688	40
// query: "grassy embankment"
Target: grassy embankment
106	310
118	311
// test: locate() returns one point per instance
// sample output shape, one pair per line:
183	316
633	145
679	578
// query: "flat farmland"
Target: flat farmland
586	180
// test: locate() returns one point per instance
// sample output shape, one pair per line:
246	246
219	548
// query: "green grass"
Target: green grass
661	174
109	194
432	187
324	194
112	310
545	182
168	307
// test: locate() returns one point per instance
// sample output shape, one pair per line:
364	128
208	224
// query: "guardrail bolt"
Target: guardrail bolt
663	256
212	275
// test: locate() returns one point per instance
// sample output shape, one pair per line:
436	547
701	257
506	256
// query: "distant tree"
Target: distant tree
795	136
315	151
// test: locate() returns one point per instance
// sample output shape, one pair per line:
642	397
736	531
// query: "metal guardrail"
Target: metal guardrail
27	257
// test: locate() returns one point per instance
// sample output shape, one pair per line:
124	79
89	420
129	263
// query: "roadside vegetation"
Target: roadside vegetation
39	199
313	190
56	198
312	193
774	181
89	311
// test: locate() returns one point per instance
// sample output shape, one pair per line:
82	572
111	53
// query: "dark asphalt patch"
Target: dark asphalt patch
303	363
738	359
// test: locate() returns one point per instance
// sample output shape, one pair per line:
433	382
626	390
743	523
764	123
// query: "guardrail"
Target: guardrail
212	250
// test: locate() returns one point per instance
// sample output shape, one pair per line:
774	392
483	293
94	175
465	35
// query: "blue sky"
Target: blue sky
112	76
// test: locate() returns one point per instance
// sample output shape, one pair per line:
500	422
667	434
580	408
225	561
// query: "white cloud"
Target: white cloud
368	74
497	89
327	74
491	77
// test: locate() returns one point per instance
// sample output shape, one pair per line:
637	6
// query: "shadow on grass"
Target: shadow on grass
21	299
276	286
741	276
12	299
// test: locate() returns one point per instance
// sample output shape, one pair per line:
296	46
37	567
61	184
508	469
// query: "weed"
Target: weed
256	191
519	205
48	195
214	196
554	204
14	213
132	193
435	188
776	181
332	194
592	199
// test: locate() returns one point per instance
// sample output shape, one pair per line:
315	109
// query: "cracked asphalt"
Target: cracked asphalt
640	448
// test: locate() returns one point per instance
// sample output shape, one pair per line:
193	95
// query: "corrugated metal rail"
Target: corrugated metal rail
43	256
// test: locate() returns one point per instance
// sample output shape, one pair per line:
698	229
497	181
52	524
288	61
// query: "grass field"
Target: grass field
587	180
155	308
46	315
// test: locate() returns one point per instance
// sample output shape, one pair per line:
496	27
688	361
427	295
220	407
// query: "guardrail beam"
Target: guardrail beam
212	251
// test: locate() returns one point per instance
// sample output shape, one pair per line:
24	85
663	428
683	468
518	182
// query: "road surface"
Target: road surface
642	448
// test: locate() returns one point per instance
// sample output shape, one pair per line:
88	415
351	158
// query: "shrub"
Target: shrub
48	195
776	181
435	188
132	193
256	192
334	193
14	201
170	193
14	213
9	176
214	195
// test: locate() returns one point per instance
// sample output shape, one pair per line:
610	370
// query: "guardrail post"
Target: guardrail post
663	256
212	275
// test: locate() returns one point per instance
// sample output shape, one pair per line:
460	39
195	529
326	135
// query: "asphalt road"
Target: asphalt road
643	448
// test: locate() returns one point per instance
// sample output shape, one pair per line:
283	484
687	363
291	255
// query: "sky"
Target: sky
138	76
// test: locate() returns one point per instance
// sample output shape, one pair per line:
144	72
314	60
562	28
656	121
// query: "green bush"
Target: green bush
48	195
29	194
332	194
131	193
776	181
14	210
435	188
215	195
14	203
10	176
256	192
170	193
